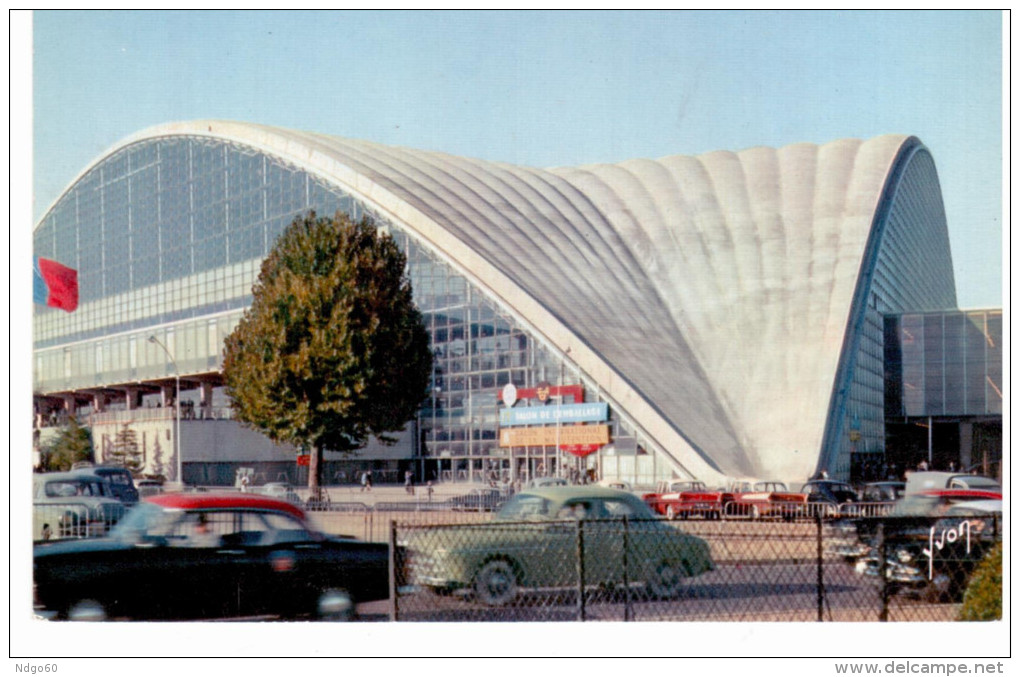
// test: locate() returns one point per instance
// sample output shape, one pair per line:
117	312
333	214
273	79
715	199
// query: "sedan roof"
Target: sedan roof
224	501
561	493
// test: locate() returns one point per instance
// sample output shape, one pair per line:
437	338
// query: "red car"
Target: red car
686	498
206	555
758	500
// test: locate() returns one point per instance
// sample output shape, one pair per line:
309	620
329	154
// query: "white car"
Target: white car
280	490
540	482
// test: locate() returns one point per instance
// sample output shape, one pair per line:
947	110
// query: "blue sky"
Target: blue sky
545	89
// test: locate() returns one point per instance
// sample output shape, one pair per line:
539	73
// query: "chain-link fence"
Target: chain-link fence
370	522
866	569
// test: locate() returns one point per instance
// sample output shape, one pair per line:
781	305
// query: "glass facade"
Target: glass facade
908	272
944	364
168	235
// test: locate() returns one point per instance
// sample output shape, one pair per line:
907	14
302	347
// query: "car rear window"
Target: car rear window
121	478
72	488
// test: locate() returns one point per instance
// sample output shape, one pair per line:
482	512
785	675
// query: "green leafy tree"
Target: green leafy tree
332	349
72	444
983	599
125	450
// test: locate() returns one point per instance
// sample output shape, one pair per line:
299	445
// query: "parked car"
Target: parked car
934	544
122	484
210	555
532	543
855	539
539	482
763	499
933	479
149	487
280	490
76	504
613	483
831	492
478	500
680	499
882	492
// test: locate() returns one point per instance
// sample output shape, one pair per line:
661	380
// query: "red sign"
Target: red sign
544	391
305	459
580	449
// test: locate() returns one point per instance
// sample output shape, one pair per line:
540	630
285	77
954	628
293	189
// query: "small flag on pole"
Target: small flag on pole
54	285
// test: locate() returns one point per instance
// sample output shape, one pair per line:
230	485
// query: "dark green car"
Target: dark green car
534	541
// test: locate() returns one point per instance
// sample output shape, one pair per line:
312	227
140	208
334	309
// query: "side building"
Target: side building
726	309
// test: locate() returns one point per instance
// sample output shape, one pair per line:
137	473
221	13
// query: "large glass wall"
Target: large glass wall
168	235
944	364
912	271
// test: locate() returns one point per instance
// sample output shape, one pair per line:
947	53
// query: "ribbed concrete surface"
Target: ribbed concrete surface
707	295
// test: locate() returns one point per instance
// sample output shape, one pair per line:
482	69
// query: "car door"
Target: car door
282	565
200	571
551	555
607	539
601	550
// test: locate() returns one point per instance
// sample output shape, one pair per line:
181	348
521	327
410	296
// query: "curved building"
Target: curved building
727	308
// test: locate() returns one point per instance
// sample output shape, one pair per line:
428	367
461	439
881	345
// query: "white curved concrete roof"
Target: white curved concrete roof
707	296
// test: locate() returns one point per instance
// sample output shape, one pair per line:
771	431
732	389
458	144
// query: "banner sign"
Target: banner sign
551	436
563	413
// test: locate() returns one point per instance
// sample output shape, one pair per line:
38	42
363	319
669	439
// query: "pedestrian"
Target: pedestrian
244	483
368	480
409	482
364	480
429	487
47	533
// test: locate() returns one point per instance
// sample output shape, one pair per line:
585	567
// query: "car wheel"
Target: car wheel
670	513
667	580
334	604
86	610
496	583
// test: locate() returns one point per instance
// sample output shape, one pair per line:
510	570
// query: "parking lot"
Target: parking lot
765	570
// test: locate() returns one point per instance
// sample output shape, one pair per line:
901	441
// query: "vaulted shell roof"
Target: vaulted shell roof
707	296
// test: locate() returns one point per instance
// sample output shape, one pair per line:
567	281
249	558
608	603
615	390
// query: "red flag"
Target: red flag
62	283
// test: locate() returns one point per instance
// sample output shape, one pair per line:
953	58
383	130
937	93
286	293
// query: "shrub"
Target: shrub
983	599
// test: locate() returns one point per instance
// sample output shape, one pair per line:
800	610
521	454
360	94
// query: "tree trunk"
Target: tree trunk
314	471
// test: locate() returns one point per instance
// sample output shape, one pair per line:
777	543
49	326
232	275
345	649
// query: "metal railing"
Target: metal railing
72	519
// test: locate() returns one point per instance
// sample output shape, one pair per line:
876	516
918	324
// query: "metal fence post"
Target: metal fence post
393	569
883	614
821	576
627	611
580	570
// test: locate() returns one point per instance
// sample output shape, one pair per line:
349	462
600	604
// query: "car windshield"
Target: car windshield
524	506
144	520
